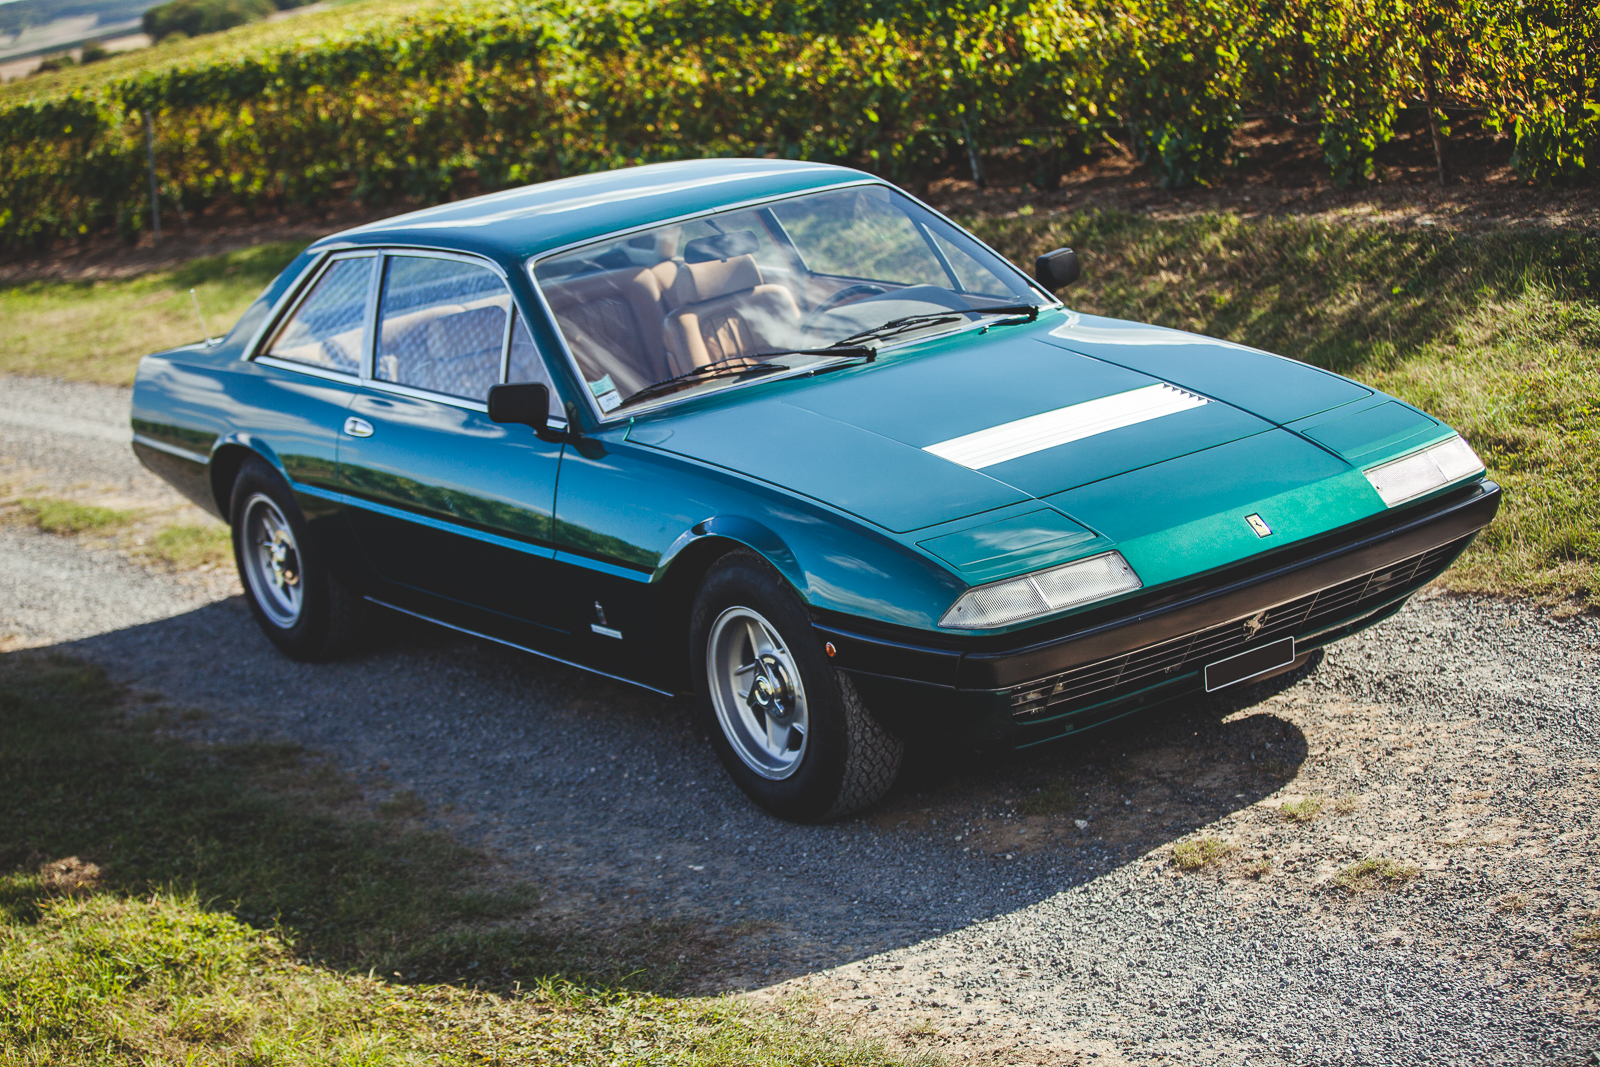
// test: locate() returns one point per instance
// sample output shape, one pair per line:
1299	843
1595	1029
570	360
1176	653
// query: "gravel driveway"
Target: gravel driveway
995	908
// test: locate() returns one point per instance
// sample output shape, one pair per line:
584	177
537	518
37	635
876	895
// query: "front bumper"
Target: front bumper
1020	690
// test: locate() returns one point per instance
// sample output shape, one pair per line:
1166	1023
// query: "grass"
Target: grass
164	903
1257	868
97	330
1303	810
1057	798
1375	873
68	517
1513	902
1201	852
1497	332
186	547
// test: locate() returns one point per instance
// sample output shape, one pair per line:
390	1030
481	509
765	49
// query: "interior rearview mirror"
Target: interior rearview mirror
721	246
1058	269
523	403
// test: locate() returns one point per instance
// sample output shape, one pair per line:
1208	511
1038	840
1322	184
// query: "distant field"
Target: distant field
335	19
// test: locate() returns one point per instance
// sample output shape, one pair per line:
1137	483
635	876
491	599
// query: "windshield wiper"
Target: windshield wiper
933	318
717	368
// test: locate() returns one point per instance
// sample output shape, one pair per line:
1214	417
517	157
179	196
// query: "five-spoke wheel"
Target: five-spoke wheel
756	689
295	598
790	729
271	561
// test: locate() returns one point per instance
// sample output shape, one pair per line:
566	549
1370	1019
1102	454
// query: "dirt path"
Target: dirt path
996	908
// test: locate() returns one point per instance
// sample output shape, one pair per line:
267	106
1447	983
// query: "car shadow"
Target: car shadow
610	800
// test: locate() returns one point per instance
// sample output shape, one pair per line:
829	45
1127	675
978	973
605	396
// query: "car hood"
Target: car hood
974	422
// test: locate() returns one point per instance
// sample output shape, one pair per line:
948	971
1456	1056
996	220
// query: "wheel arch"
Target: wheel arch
685	565
227	459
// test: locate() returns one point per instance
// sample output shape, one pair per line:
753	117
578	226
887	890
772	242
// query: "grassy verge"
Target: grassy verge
68	517
185	547
97	330
162	902
1496	332
182	546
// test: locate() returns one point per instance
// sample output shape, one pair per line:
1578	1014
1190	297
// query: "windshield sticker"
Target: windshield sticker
606	395
985	448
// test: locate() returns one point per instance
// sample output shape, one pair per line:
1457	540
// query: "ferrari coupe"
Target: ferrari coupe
781	437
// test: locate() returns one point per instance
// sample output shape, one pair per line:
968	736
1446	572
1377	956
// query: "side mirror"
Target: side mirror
525	404
1058	269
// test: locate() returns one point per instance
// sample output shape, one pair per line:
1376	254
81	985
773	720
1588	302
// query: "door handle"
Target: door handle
357	427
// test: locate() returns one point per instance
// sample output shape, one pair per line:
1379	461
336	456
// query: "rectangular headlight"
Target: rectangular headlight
1042	592
1421	472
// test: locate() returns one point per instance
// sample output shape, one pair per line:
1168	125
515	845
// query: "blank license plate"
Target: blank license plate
1246	665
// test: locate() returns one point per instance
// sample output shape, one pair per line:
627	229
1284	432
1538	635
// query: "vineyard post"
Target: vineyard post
972	154
155	199
1433	112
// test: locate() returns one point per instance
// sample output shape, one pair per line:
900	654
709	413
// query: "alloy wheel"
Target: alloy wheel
757	692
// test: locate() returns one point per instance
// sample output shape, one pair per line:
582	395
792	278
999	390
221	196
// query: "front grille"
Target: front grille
1109	678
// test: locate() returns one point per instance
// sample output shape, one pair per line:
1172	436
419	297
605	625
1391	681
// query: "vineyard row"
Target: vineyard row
500	95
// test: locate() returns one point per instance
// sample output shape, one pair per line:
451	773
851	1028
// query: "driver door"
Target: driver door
447	503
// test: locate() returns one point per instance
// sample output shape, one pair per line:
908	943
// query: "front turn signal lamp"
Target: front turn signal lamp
1422	472
1042	592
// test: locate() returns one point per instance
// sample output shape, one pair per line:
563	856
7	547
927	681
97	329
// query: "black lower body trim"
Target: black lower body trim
1142	667
1057	688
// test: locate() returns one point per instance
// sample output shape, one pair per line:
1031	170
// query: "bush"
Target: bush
54	63
497	93
194	17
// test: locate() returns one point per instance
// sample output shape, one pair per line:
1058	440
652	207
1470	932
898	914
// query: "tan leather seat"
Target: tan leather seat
613	320
724	309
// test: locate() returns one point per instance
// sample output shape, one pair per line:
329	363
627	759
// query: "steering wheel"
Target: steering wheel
860	289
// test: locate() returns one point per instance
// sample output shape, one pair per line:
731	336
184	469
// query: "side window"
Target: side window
525	364
328	328
441	326
859	233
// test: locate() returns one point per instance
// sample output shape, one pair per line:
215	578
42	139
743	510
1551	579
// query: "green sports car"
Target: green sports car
777	435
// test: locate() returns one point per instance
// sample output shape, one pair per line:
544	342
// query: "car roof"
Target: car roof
516	223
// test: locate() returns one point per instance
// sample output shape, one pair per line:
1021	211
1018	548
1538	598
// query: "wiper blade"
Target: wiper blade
715	369
931	318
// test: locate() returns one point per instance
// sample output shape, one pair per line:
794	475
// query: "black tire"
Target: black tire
848	761
329	619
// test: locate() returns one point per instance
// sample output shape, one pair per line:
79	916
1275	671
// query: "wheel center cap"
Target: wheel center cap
771	694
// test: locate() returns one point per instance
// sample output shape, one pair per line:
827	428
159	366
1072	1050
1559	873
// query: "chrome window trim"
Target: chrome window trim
606	421
307	368
426	394
278	309
290	303
387	253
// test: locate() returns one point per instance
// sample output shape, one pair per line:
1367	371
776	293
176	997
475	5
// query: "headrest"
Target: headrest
706	281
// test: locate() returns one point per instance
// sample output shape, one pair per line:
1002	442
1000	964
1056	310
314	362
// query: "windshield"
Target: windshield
703	304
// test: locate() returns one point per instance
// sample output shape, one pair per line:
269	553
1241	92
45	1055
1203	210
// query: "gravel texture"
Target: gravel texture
1003	908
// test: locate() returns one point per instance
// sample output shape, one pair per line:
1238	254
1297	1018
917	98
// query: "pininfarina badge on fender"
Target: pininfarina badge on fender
779	436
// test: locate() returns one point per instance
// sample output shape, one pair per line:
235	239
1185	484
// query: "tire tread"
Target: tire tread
873	759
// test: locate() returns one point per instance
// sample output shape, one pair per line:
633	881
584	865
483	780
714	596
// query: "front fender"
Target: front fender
745	531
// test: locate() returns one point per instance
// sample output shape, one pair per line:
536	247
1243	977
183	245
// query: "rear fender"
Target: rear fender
228	456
